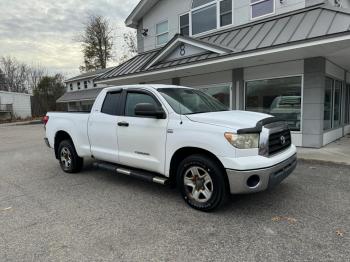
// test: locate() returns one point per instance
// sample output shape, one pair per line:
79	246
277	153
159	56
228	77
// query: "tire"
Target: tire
69	160
202	183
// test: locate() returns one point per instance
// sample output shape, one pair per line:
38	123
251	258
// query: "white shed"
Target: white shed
15	105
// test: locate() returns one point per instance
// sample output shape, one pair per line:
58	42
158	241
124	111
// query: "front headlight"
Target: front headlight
243	141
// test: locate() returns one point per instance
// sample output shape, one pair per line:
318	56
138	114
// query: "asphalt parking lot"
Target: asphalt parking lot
47	215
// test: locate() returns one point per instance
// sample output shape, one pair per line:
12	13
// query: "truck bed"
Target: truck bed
75	123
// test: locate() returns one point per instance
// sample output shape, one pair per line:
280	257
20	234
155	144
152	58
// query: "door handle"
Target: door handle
123	124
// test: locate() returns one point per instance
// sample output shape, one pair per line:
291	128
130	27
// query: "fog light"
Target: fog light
253	181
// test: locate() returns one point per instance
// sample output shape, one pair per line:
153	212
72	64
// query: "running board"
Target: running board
142	175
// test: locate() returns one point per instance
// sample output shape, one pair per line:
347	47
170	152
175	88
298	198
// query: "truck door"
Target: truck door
103	128
141	139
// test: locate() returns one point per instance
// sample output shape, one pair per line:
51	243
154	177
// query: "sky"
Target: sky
44	32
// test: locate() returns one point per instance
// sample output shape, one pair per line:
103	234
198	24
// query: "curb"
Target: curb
322	162
33	122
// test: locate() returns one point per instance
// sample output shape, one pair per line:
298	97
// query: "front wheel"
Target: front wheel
69	160
202	183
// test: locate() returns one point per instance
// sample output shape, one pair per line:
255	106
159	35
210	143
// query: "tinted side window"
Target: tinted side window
133	99
111	103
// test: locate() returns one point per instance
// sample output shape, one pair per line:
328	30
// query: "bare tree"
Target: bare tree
3	83
15	73
36	74
16	76
129	45
97	43
130	41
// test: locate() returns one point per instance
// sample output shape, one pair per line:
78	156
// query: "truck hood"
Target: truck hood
233	120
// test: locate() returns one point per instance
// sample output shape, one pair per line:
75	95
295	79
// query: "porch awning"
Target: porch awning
309	25
82	95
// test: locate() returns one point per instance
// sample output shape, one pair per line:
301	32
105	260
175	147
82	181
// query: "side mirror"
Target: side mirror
149	110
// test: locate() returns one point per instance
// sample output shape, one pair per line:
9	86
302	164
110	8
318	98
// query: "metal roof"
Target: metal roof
90	74
88	94
189	59
286	29
133	65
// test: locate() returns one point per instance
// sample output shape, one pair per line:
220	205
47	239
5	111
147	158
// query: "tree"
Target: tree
97	43
3	84
49	89
16	74
35	75
130	46
130	41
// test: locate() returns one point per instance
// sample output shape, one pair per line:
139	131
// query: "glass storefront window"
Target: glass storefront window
328	101
280	97
347	104
220	92
337	103
332	104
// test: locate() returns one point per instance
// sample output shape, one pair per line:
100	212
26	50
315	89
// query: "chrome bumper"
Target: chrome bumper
268	177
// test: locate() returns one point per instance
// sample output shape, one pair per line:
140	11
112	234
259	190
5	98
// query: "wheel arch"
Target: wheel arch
181	153
59	137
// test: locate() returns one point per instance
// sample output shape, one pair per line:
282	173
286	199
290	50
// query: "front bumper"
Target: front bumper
268	177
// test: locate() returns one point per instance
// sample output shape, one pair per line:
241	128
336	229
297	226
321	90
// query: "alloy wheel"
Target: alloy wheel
66	157
198	184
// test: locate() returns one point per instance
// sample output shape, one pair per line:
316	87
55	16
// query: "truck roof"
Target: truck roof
144	86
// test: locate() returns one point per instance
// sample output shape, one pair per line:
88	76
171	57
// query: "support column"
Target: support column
238	89
313	101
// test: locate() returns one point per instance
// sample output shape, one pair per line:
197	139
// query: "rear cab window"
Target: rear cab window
111	104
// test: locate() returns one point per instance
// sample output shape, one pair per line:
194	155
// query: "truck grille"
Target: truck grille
279	141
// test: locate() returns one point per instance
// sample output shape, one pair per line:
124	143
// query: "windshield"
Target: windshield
186	101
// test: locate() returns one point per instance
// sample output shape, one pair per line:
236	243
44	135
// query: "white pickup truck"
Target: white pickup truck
176	135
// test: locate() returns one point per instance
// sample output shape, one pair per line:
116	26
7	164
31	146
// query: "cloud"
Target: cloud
42	31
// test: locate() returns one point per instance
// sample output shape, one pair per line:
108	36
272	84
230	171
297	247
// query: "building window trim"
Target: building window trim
218	17
278	77
261	16
163	33
189	23
225	13
341	113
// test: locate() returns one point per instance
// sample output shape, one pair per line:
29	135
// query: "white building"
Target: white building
82	91
14	105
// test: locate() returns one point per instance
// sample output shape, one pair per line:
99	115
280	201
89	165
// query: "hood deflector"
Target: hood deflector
259	125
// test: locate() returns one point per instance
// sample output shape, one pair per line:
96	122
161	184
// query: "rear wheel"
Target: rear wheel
69	160
202	183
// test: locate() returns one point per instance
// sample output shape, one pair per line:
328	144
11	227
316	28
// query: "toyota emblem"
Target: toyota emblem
283	140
